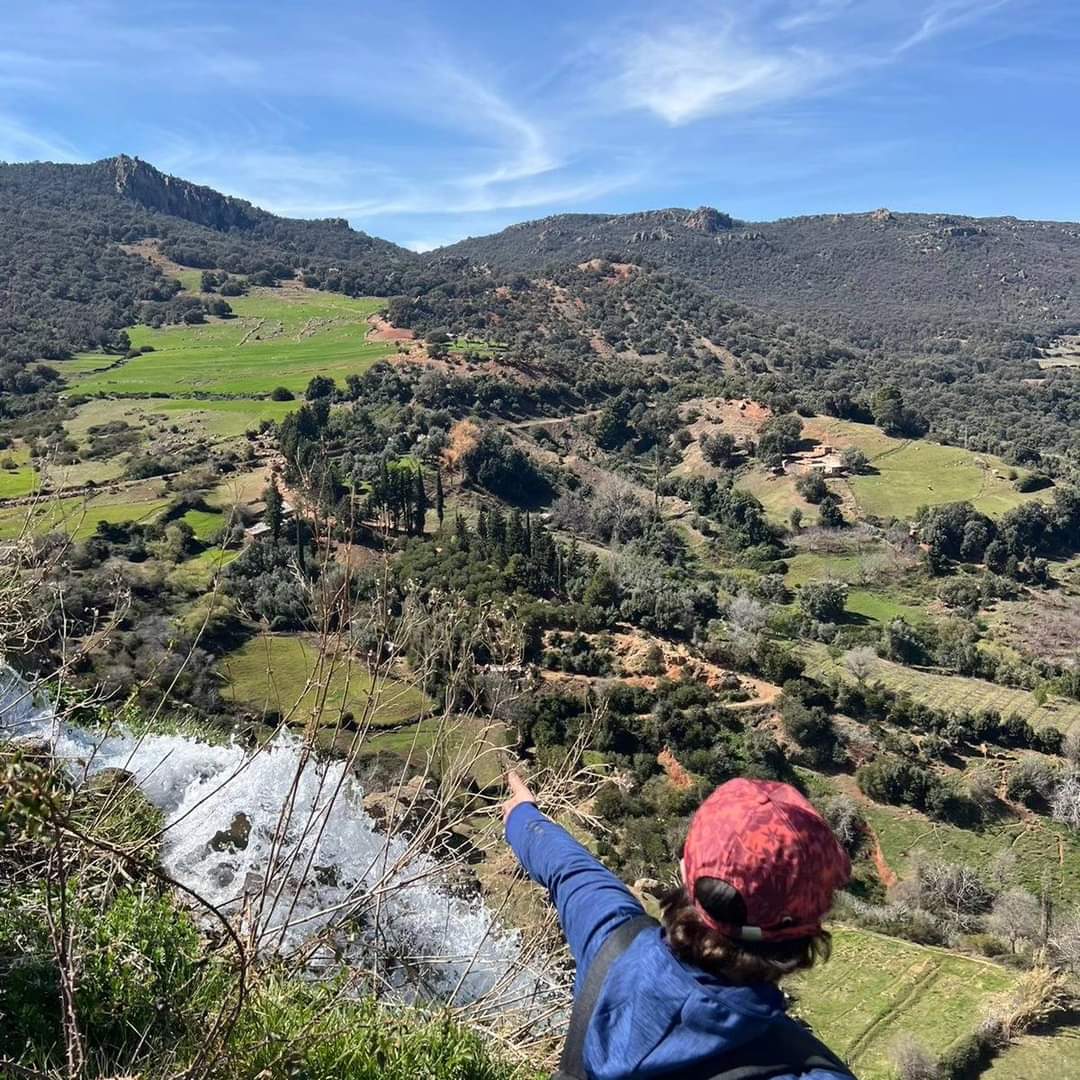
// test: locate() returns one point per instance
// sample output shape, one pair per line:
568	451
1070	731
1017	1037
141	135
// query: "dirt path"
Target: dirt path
884	870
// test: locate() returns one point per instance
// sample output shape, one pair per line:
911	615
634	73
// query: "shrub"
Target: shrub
282	393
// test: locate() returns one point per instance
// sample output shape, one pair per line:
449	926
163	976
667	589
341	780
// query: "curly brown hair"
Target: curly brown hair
738	963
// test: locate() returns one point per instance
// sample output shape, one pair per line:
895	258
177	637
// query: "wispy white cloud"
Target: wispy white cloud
19	142
741	60
947	15
805	14
685	72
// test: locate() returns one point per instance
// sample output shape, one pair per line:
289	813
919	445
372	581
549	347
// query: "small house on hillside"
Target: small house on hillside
255	532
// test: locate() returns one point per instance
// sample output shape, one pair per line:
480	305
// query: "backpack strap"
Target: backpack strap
572	1061
784	1048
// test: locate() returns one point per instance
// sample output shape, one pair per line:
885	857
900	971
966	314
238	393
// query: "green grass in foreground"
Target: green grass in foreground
875	988
79	516
278	338
1037	1056
273	673
954	692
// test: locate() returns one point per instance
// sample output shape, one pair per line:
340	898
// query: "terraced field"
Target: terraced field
875	989
79	515
906	474
279	673
277	337
950	691
17	476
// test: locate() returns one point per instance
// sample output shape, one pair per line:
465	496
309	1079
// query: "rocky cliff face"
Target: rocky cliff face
145	185
708	220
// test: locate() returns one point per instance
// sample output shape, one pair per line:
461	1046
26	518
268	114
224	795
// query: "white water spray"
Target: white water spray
223	812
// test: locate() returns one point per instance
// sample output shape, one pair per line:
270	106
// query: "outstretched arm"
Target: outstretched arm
590	899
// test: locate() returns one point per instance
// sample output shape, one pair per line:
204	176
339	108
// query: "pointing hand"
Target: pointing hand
519	793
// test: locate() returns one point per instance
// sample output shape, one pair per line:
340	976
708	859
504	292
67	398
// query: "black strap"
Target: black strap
783	1048
572	1061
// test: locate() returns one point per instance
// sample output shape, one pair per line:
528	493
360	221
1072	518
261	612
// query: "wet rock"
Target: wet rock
235	837
401	809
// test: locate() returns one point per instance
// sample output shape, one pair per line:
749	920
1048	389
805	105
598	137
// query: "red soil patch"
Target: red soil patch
884	870
678	776
381	330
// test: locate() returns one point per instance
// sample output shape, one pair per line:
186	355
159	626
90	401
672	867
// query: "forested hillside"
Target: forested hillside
71	281
910	281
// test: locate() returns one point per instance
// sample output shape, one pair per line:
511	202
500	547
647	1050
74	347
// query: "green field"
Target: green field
277	338
282	673
196	575
874	598
953	692
224	419
17	476
875	989
206	523
1038	844
79	516
913	473
881	607
1035	1057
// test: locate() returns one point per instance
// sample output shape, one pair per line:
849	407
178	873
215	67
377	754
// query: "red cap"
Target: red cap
765	840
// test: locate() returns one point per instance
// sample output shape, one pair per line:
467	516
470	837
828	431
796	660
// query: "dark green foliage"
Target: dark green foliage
281	393
778	438
830	515
811	486
812	728
494	463
266	581
823	601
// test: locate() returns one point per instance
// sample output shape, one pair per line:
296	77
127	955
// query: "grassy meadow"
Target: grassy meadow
282	674
1036	1056
191	417
276	338
79	515
1037	844
904	475
876	988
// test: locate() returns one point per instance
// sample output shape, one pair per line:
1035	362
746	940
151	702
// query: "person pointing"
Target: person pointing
695	995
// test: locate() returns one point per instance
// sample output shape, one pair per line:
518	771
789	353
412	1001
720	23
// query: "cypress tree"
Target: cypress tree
420	503
438	494
274	514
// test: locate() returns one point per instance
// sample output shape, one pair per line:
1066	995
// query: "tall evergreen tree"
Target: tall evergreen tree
274	514
420	504
439	502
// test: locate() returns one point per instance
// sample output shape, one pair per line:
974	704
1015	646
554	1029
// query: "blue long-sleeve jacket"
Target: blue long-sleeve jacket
655	1014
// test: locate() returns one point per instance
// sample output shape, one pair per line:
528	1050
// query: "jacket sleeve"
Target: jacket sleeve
590	899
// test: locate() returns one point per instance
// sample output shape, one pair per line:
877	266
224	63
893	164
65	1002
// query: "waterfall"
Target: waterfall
222	805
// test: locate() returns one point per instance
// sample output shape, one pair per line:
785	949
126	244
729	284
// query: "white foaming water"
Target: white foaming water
223	809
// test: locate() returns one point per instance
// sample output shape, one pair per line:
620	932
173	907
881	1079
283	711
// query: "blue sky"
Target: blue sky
427	122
